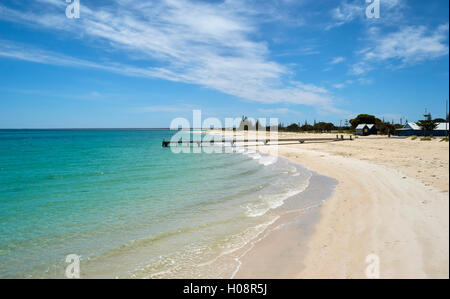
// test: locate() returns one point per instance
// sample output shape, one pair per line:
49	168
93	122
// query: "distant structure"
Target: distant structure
412	129
366	130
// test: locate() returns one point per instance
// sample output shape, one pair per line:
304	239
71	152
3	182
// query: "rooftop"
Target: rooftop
362	126
416	127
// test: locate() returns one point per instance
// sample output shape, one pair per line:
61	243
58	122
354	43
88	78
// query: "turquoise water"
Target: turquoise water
127	206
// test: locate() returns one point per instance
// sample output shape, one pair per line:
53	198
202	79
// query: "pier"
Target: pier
265	141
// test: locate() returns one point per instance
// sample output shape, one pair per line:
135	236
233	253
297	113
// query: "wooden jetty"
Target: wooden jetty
265	141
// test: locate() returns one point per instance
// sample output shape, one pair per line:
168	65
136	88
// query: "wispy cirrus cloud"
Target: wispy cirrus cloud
211	45
411	44
29	53
337	60
339	85
346	12
407	46
352	10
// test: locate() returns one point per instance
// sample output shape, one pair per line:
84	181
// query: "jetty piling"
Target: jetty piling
265	141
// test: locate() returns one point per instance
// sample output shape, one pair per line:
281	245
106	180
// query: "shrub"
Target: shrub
414	138
426	139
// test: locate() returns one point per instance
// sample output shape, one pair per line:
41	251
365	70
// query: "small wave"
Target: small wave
267	160
272	201
186	263
255	156
287	170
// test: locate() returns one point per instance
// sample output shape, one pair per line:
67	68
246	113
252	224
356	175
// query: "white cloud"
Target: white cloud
178	40
410	45
345	13
343	84
311	87
339	85
365	81
359	68
28	53
353	10
337	60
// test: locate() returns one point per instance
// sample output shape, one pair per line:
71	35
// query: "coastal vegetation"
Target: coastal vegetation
348	126
383	127
428	124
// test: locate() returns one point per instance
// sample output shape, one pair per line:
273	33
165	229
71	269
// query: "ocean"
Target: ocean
130	208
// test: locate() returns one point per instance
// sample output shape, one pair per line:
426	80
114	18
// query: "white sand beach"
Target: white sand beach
391	200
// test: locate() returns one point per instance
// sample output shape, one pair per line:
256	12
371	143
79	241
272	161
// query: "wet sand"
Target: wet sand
391	201
292	230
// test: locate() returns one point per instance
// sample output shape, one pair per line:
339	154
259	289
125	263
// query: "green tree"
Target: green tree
246	124
363	119
385	128
324	127
427	124
440	120
293	128
306	128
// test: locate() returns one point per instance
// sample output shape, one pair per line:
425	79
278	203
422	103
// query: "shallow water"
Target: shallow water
130	208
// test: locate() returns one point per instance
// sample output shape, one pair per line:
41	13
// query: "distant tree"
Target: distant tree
427	124
306	128
324	127
246	124
385	128
440	120
293	128
363	119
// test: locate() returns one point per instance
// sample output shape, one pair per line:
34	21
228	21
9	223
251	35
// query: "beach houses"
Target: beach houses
412	129
366	129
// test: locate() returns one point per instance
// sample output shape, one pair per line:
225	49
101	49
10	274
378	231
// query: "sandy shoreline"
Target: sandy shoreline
391	201
282	247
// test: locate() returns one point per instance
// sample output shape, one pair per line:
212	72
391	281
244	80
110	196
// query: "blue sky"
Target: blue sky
127	63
